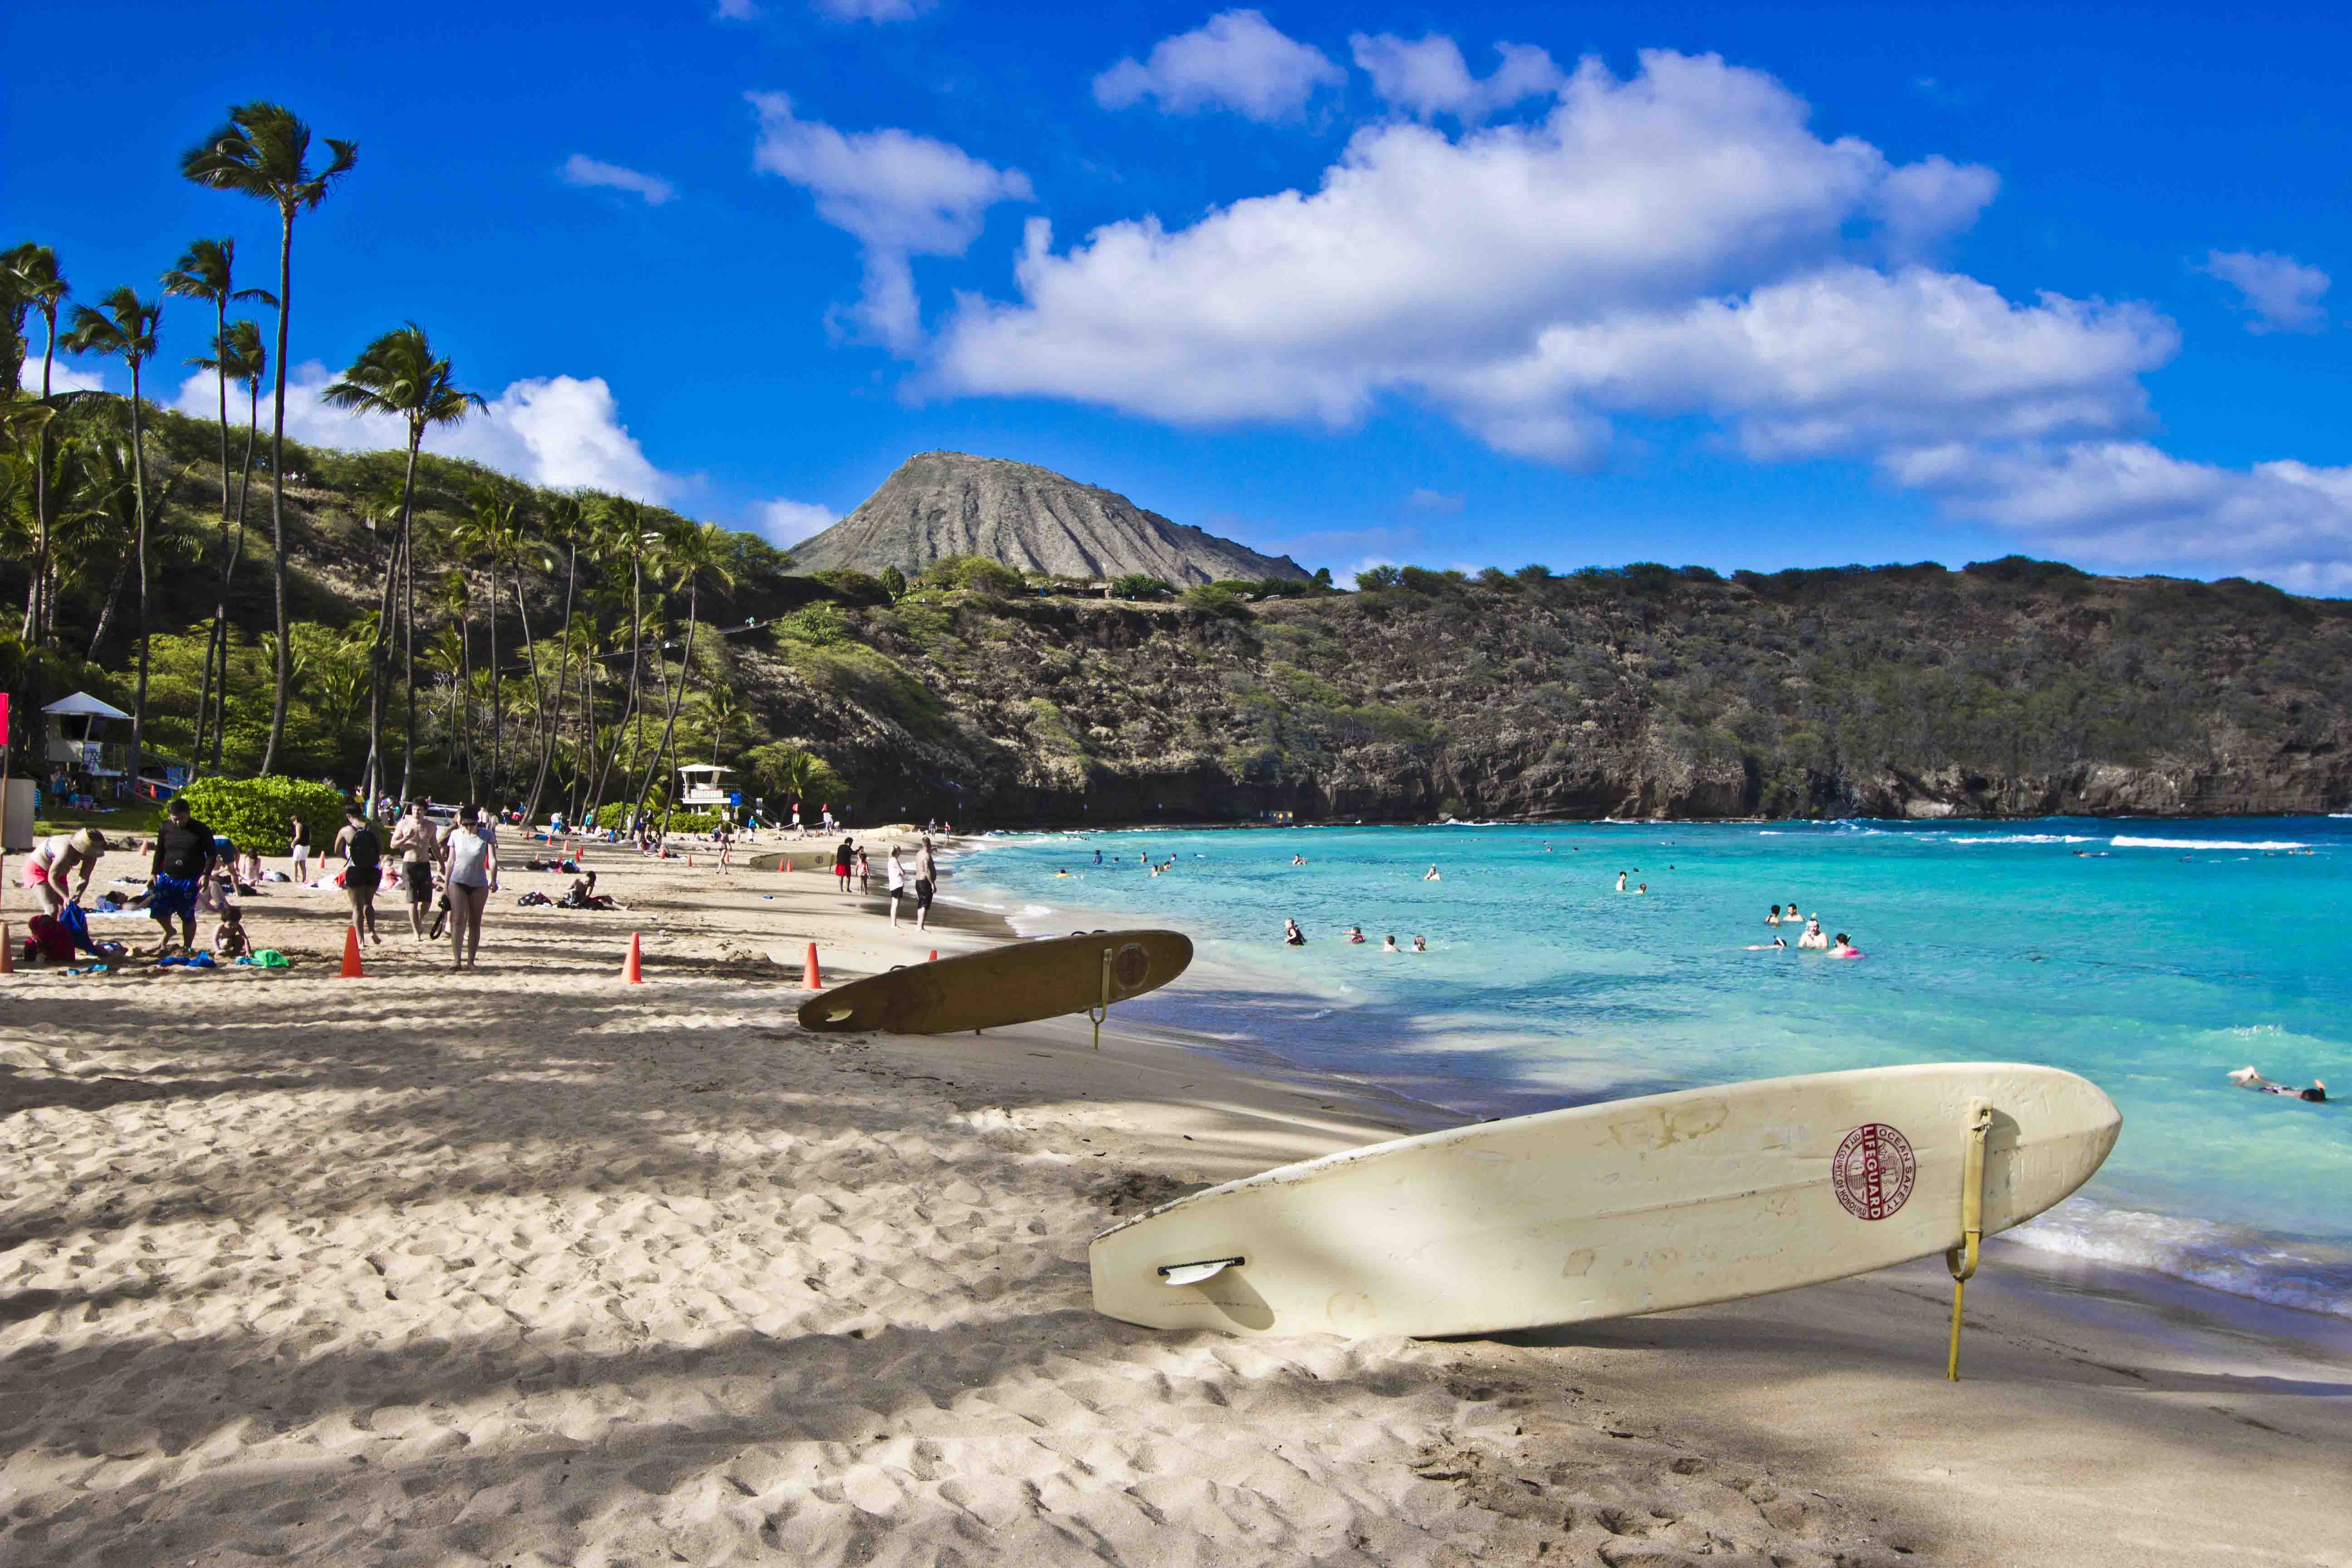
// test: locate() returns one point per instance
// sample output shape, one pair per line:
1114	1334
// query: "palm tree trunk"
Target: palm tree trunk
228	568
669	725
380	648
408	645
43	614
285	674
466	691
562	675
106	611
138	490
495	774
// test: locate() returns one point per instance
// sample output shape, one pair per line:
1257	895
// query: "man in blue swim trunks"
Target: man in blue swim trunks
183	859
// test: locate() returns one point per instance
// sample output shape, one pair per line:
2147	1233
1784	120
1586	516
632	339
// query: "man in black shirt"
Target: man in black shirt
363	853
183	859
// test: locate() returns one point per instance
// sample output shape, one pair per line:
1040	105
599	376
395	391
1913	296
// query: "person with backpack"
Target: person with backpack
363	851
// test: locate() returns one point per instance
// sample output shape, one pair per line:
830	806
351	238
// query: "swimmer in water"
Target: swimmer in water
1291	935
1420	945
1843	948
1621	882
2248	1077
1355	933
1061	873
1814	937
1778	945
1298	859
1097	856
1432	876
1774	918
1388	943
1640	890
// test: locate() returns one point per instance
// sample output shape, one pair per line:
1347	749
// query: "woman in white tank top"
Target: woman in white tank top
470	856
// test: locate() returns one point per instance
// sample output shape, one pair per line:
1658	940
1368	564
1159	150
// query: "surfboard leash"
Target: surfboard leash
1962	1259
1102	1010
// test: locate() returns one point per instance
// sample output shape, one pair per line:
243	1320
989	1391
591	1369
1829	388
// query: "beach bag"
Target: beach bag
265	958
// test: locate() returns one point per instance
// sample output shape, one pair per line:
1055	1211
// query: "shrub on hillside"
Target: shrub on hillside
855	587
1141	585
259	813
974	572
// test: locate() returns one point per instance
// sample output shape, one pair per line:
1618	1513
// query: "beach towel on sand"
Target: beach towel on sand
265	958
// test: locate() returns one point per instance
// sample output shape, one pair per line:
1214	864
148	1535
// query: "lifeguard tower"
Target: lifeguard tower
702	790
85	762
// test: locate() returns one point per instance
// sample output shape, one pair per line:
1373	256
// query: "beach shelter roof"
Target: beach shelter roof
702	768
81	704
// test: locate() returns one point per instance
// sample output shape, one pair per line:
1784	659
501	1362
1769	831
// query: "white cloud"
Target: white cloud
582	169
1429	77
1422	258
65	374
1678	243
784	523
2280	293
560	431
871	10
901	194
1236	60
1434	501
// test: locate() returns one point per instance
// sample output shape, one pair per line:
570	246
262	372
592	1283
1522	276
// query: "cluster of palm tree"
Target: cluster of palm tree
619	561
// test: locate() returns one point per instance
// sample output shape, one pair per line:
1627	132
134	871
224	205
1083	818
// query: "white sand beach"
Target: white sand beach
527	1267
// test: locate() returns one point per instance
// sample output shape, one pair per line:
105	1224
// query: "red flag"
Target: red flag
4	721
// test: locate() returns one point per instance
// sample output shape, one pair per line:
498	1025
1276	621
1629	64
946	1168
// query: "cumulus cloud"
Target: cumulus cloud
1429	77
1236	60
65	375
560	431
2278	292
901	194
582	169
784	523
1677	243
1434	501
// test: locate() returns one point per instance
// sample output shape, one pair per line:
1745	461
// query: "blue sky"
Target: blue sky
1737	287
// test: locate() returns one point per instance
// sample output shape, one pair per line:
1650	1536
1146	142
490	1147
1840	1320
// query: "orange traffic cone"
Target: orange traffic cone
788	862
935	955
634	972
810	978
352	969
690	862
7	952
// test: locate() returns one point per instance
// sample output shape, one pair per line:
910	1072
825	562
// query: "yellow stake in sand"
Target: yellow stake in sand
1962	1259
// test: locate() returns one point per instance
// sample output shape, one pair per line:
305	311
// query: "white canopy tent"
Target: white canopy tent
74	737
82	705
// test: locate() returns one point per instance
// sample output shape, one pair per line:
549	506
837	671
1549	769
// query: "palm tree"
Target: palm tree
33	277
626	535
205	273
399	374
238	356
693	553
263	150
564	523
123	328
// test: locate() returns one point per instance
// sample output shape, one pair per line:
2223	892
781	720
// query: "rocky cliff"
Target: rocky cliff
941	504
2012	689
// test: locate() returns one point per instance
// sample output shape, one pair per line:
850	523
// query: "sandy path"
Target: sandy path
528	1267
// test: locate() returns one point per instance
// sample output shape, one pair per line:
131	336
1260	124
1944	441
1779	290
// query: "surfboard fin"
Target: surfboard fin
1197	1273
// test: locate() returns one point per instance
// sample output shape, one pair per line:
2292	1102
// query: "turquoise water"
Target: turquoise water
2150	957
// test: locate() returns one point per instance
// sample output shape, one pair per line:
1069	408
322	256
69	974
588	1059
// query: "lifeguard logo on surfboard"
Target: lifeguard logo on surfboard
1873	1171
1131	966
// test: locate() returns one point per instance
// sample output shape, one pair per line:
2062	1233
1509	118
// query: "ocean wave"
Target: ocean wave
2015	838
2127	841
2228	1259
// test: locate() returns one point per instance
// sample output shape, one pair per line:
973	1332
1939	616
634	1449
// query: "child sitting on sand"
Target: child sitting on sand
228	937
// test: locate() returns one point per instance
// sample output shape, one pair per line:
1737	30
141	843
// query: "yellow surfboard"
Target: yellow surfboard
1017	983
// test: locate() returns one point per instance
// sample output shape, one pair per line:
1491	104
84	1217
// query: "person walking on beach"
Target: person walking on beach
299	846
46	867
841	858
472	857
182	860
894	883
362	854
927	882
419	843
865	872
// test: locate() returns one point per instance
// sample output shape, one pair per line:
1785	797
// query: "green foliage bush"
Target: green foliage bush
1141	585
259	813
853	588
894	581
974	572
1374	578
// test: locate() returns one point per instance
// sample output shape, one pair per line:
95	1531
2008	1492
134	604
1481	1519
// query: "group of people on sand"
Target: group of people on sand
462	863
918	880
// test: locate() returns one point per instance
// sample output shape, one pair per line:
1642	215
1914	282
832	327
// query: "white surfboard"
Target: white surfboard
1608	1210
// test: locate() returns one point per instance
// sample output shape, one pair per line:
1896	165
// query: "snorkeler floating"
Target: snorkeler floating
2248	1077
